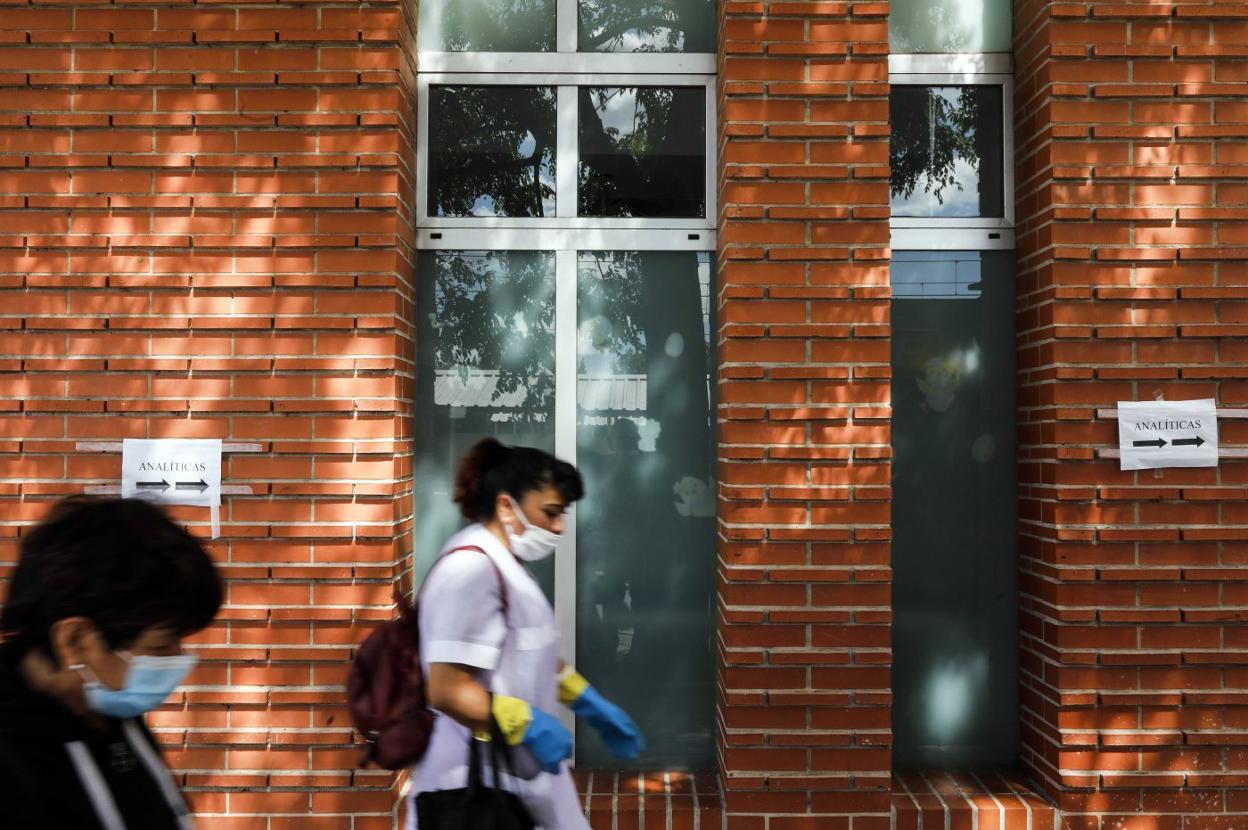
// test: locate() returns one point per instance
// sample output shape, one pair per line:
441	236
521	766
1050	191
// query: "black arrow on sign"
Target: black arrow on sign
1156	442
162	486
1189	442
200	485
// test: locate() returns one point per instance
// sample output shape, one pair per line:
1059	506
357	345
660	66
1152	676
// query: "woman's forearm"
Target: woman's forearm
455	691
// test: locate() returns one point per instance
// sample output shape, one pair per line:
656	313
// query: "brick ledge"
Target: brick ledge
984	800
675	800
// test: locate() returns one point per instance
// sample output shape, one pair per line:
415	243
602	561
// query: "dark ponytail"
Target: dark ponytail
491	467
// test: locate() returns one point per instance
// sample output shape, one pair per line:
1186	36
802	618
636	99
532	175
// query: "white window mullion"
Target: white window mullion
712	147
566	36
565	448
422	149
565	153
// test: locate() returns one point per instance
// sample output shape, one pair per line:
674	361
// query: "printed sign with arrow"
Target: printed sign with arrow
172	471
1156	434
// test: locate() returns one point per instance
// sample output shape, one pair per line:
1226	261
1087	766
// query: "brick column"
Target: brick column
204	233
804	414
1132	129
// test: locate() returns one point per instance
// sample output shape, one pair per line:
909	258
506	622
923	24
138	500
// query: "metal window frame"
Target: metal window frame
565	233
568	58
566	153
566	243
980	233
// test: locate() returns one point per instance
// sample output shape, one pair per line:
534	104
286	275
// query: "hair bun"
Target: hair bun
484	456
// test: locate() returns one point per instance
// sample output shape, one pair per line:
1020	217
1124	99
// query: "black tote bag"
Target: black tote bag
475	807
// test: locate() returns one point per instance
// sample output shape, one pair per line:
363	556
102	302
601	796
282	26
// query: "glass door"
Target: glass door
955	527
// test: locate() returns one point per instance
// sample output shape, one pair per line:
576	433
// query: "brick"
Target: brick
111	189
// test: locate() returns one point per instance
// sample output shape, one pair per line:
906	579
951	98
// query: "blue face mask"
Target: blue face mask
149	680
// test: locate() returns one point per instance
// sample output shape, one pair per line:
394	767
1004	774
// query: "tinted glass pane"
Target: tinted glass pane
646	529
946	151
931	26
485	365
487	25
642	151
647	26
955	552
491	151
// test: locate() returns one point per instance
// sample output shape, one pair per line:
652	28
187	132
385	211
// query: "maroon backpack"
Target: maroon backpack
386	690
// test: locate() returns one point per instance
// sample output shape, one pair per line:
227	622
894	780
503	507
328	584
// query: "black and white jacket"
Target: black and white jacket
58	773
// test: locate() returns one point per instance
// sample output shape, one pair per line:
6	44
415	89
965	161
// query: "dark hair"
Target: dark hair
491	468
121	563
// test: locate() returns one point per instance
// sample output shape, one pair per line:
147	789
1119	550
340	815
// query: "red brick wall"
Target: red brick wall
203	233
1132	129
804	417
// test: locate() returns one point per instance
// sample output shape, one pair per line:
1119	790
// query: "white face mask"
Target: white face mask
535	543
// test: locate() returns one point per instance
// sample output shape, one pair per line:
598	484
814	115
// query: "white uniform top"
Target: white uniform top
461	621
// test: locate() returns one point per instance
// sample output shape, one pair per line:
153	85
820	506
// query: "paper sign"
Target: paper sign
1155	434
174	471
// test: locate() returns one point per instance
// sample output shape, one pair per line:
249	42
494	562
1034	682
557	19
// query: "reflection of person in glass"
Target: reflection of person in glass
483	661
617	540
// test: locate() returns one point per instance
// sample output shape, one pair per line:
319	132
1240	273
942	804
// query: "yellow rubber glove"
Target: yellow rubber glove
541	734
571	686
513	716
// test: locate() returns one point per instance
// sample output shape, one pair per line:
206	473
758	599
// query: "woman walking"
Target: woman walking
104	593
489	644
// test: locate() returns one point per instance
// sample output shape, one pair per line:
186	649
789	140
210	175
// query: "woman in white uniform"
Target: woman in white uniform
489	644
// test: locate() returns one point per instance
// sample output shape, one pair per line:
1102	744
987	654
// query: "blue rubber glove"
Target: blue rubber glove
613	725
540	733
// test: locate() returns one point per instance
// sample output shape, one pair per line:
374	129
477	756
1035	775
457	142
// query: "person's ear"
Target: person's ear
503	511
76	640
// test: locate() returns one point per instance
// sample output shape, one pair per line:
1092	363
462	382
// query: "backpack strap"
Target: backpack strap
502	581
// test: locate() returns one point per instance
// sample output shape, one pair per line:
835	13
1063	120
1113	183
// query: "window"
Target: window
955	549
955	508
570	151
946	152
951	152
949	26
565	215
651	26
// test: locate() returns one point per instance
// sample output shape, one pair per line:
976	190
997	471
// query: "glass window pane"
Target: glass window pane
492	151
949	26
946	151
955	526
487	25
645	533
647	26
642	152
485	366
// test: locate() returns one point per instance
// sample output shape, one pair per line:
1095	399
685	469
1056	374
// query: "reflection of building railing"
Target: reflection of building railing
594	393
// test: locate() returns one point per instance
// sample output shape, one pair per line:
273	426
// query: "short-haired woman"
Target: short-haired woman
104	592
484	663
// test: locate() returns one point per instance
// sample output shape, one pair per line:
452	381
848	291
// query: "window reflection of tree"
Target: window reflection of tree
919	25
647	26
932	131
492	150
645	565
494	311
488	26
653	167
485	333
